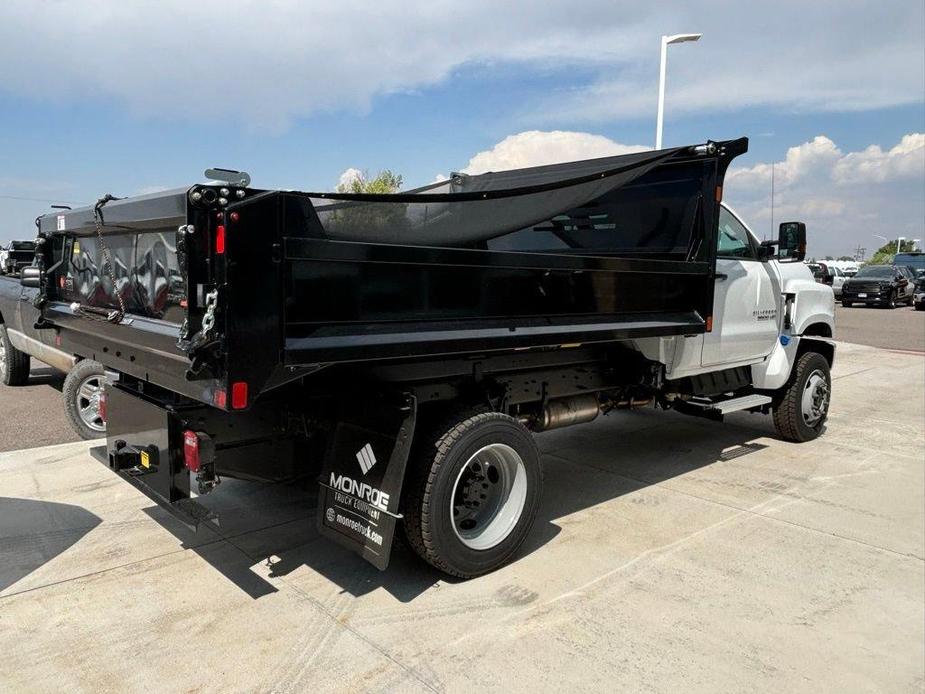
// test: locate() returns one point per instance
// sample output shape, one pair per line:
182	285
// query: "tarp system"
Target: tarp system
467	209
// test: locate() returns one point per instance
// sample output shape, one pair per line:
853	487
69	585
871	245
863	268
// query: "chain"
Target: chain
208	319
114	316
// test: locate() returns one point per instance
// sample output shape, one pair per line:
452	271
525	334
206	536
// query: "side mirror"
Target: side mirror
31	277
791	242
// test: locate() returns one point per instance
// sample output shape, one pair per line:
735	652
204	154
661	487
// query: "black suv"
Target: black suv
882	285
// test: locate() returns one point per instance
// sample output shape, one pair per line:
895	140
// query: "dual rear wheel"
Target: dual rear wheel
473	492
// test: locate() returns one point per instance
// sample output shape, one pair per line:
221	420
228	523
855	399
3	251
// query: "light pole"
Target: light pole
666	40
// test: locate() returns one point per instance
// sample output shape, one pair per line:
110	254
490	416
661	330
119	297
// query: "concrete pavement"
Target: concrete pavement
670	554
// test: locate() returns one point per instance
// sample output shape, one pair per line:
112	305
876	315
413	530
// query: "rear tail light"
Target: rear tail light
239	395
191	451
220	239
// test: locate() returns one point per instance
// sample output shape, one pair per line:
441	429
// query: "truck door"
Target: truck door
746	299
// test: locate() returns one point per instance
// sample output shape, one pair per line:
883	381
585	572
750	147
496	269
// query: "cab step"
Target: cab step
712	409
746	402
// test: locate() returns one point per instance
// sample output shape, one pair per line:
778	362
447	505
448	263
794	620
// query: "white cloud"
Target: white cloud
536	147
803	160
267	64
905	160
348	177
845	198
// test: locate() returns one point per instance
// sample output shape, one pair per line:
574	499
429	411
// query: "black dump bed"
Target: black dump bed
222	292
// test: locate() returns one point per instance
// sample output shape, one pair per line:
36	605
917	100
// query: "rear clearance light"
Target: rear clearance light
709	324
238	395
220	239
220	398
191	451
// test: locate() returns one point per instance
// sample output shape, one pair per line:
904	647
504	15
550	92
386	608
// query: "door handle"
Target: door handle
720	276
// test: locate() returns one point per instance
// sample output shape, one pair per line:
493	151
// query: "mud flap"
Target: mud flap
364	468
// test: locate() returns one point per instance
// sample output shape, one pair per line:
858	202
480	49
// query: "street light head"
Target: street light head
681	38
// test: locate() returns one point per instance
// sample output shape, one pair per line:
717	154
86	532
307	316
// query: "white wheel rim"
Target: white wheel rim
488	497
88	402
815	401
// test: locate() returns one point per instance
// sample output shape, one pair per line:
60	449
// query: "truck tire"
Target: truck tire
891	303
802	406
82	390
14	365
472	492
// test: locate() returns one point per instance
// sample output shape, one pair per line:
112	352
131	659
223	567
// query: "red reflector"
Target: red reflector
191	450
709	324
220	239
719	193
102	407
238	395
61	281
220	398
234	216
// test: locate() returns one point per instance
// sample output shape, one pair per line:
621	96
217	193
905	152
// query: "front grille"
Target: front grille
867	287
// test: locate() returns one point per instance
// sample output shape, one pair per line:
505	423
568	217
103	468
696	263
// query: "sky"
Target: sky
127	97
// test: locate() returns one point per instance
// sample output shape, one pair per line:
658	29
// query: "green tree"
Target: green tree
383	182
886	252
846	257
365	221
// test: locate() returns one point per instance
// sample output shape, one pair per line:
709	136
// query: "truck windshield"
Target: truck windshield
877	271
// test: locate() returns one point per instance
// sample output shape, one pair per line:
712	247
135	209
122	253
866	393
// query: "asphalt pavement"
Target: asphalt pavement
899	328
33	415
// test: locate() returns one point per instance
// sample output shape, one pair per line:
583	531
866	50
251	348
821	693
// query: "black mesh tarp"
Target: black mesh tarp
467	209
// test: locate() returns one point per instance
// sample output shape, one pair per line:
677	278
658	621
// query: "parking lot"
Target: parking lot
902	328
670	554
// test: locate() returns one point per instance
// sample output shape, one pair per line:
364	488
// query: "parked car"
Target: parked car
914	260
918	299
831	275
879	285
16	256
22	339
837	279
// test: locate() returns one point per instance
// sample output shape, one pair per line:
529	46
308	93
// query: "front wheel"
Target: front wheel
14	365
83	389
472	494
891	303
802	406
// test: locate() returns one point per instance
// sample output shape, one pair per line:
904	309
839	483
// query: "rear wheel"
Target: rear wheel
472	493
14	365
802	406
83	389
